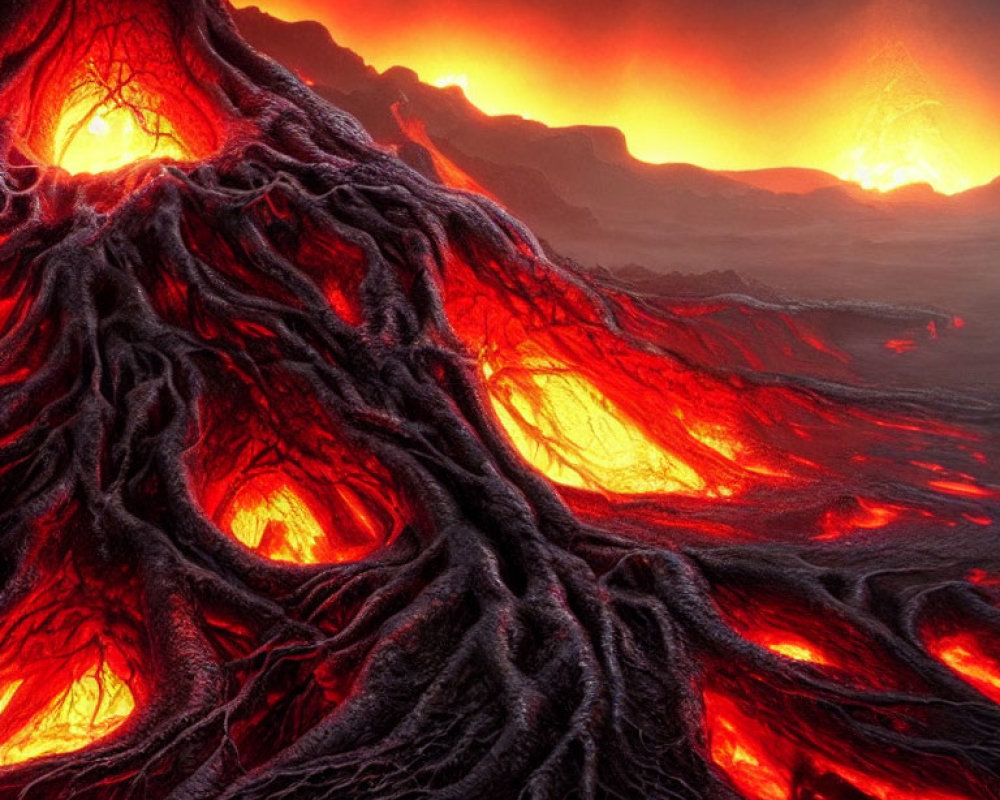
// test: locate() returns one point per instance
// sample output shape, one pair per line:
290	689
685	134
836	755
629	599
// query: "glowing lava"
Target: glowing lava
88	709
277	523
301	496
763	765
108	122
70	662
963	654
792	646
566	429
101	140
271	517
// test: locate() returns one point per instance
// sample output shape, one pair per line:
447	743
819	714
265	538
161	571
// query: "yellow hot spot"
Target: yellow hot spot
900	139
101	139
89	709
743	758
7	694
792	647
973	666
797	652
569	431
278	524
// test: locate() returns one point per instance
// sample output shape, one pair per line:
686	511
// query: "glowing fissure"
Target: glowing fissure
763	765
791	646
447	170
964	654
90	708
571	433
70	662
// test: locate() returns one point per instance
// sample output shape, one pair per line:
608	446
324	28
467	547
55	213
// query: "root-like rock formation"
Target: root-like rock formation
318	480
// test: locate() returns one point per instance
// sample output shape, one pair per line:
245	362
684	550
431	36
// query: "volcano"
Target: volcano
320	479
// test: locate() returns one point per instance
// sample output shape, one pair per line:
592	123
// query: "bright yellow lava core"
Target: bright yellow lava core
276	522
94	140
92	707
569	431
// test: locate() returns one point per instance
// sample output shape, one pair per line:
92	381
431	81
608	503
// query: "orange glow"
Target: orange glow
864	515
449	172
748	760
90	708
763	765
286	488
609	422
70	661
123	94
681	95
272	517
107	136
964	655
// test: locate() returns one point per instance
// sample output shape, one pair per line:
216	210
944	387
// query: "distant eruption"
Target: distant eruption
900	140
879	112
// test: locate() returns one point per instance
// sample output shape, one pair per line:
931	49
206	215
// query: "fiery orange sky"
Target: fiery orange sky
885	92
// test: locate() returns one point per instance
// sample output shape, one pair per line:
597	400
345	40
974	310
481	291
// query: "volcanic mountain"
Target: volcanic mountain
804	232
321	479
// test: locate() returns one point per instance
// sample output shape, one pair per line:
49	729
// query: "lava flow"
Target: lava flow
294	440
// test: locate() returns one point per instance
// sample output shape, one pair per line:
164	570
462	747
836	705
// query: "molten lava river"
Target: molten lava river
320	479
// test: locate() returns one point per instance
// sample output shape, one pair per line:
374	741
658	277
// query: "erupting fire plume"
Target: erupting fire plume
320	479
900	140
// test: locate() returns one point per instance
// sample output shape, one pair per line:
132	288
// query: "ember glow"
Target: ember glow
876	98
765	765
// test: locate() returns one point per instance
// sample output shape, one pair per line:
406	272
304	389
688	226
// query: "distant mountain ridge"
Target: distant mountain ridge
802	231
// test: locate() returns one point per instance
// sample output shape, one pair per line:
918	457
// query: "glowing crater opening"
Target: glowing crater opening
791	646
84	711
109	117
107	137
272	517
